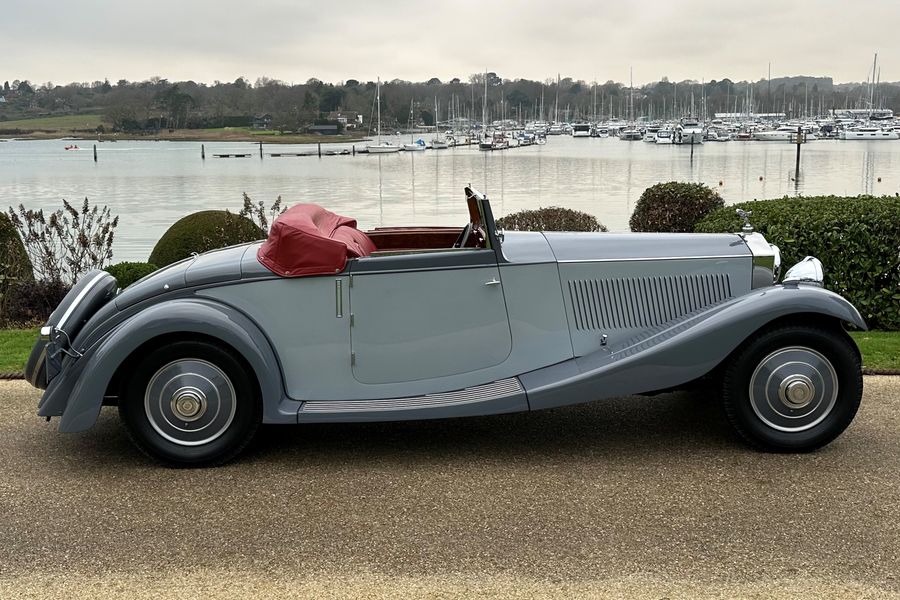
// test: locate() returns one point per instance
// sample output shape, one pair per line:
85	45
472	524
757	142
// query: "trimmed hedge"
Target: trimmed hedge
31	302
856	238
673	207
552	218
127	273
201	232
14	262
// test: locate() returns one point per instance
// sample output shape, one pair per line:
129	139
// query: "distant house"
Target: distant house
262	122
348	118
324	129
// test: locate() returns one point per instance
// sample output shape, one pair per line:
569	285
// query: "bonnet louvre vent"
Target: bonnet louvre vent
640	302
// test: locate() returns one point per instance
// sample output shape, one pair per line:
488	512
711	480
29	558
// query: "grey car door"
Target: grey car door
427	315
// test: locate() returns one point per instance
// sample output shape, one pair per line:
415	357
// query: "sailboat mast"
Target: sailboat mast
484	108
631	94
378	100
556	115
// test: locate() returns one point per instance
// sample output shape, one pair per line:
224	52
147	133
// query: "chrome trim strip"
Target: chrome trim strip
480	393
338	299
646	258
79	298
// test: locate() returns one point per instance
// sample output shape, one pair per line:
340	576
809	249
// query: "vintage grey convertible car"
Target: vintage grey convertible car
325	323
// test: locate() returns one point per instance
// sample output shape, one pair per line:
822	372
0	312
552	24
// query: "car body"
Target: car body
450	322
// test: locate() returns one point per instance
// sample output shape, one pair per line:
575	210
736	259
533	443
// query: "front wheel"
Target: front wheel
793	388
191	404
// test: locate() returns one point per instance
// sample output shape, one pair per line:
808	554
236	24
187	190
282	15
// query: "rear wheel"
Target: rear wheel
793	388
191	404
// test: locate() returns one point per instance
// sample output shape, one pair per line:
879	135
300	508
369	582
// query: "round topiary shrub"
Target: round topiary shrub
552	218
203	231
15	265
673	207
856	239
127	273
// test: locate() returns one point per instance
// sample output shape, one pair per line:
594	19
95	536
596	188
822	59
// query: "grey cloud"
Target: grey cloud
205	40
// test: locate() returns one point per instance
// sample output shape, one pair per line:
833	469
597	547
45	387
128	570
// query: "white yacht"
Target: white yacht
688	132
868	133
630	134
785	133
664	135
381	147
650	136
581	130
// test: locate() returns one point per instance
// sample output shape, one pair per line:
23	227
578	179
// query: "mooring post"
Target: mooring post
799	141
320	149
95	152
692	147
354	149
260	150
202	151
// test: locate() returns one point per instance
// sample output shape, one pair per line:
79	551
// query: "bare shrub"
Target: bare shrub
259	214
68	242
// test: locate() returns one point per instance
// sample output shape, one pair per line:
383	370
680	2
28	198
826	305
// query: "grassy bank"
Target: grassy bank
83	126
880	349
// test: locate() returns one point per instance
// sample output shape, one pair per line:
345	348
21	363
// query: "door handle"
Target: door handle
492	282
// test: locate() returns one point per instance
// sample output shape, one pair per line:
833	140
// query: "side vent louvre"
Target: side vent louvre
641	302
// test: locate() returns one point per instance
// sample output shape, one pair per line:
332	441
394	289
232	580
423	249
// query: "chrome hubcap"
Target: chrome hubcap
793	389
190	402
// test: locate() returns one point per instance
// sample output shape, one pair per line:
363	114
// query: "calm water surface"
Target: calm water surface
152	184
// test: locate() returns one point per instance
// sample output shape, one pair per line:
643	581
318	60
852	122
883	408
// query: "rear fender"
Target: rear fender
681	351
78	392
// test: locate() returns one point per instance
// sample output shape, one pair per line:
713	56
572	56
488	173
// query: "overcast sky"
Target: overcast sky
293	40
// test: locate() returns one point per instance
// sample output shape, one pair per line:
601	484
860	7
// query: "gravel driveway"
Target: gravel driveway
633	497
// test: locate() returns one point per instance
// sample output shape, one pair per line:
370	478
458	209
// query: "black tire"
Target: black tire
202	387
793	388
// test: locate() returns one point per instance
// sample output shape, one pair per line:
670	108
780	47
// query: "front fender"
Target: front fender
681	351
80	388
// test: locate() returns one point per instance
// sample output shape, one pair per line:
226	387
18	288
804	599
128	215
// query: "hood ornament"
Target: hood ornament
746	228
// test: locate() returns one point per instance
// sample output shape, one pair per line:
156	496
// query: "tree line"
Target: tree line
159	103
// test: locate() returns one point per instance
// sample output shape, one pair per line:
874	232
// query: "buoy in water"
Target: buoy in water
879	180
760	177
721	183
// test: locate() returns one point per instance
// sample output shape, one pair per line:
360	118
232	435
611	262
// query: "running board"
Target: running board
504	396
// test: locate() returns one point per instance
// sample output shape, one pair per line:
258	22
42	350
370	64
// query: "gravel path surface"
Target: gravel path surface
635	497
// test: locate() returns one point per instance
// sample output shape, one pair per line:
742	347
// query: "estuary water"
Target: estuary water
152	184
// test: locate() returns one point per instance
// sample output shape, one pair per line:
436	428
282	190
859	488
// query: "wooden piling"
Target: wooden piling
354	150
320	149
260	151
202	151
799	141
95	152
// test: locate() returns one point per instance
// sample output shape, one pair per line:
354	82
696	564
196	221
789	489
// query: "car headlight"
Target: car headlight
808	270
776	270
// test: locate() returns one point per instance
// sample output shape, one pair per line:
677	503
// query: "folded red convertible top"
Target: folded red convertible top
309	240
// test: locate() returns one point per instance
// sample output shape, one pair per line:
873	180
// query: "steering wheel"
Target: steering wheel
464	236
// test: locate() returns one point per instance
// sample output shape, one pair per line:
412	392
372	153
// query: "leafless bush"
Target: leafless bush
68	242
259	214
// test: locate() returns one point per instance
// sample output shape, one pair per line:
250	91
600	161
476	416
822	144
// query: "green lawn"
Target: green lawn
15	344
65	122
880	349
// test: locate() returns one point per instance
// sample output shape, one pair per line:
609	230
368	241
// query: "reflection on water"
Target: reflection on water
152	184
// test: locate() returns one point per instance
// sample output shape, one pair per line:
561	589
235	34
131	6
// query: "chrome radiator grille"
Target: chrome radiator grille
640	302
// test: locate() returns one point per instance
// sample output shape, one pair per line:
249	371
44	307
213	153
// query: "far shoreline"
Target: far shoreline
189	135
